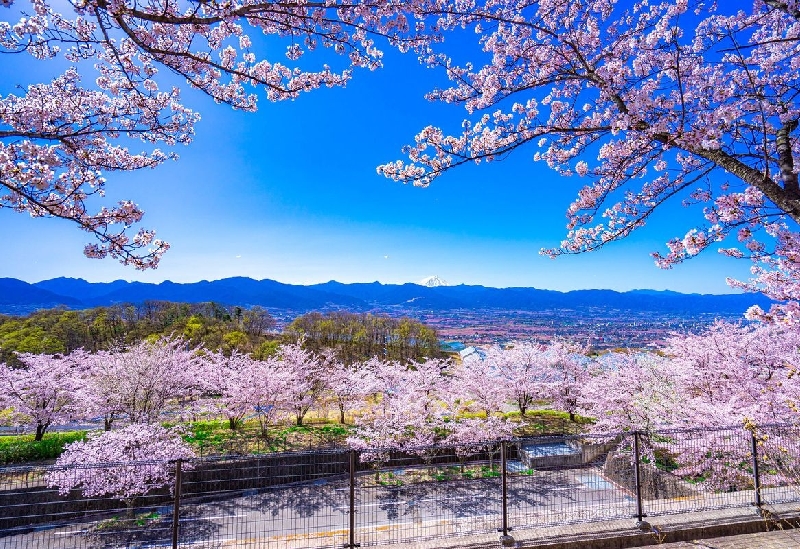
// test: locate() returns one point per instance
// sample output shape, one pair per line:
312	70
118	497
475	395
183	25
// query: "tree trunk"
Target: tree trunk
40	429
130	509
232	423
341	414
572	417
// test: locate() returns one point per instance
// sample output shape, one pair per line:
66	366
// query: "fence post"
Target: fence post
505	539
756	475
351	542
637	480
176	509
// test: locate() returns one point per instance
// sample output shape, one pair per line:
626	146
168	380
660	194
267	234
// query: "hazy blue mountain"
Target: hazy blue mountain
17	296
230	291
80	289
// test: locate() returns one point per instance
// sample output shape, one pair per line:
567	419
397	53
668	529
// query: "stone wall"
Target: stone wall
655	484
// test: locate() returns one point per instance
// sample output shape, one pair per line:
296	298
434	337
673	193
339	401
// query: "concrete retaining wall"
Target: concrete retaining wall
655	484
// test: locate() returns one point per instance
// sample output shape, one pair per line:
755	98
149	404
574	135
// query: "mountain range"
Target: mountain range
19	297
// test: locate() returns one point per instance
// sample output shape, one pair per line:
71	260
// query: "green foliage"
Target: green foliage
205	431
267	349
24	338
58	331
663	460
389	479
23	448
305	435
234	341
216	437
123	523
146	518
489	472
7	417
358	337
546	422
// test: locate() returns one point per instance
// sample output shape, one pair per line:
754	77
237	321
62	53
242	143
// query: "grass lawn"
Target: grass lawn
22	448
547	422
214	437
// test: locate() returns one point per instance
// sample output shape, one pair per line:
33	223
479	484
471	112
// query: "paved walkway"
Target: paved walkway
781	539
738	528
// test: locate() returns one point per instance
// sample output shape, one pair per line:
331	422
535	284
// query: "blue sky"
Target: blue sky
290	193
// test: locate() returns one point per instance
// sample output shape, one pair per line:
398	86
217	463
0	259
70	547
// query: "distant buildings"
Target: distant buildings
467	352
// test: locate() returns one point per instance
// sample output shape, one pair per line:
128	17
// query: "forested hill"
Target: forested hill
18	297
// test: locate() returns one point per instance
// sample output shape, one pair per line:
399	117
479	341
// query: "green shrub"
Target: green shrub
489	472
22	448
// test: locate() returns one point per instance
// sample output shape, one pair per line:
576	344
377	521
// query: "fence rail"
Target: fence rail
348	498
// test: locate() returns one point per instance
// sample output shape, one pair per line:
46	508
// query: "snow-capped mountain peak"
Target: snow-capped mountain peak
432	282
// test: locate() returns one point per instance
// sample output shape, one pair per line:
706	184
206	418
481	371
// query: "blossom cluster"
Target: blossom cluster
648	103
58	140
124	464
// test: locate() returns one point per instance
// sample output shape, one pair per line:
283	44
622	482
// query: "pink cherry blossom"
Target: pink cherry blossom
43	392
125	464
59	139
142	382
652	102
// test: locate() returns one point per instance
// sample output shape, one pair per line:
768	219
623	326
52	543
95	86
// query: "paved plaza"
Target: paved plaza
780	539
739	528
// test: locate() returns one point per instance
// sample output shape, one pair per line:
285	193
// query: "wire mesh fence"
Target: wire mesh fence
348	498
559	480
36	513
427	492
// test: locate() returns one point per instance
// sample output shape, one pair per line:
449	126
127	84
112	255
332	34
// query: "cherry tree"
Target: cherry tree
144	381
348	386
478	384
306	381
470	436
400	422
231	382
648	103
394	418
635	391
568	372
58	138
44	392
723	384
521	367
99	395
124	464
258	387
733	373
411	411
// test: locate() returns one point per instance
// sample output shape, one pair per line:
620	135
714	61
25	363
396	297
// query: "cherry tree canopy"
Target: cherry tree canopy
125	463
57	138
43	392
648	101
142	382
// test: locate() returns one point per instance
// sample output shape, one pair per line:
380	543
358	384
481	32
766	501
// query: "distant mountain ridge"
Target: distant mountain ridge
19	297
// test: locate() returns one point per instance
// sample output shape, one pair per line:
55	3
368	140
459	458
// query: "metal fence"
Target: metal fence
348	498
